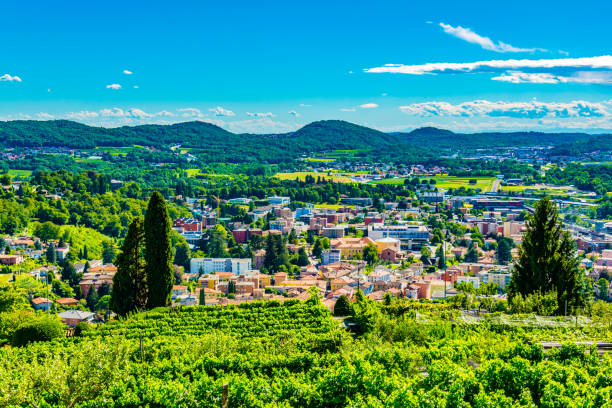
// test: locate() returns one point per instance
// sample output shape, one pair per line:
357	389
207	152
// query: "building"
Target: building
242	235
501	278
67	302
11	259
362	202
236	266
240	200
41	303
74	317
432	196
410	236
330	256
336	231
62	252
391	254
350	247
187	224
276	200
474	280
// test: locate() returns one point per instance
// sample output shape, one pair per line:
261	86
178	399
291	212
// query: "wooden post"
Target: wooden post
224	395
141	350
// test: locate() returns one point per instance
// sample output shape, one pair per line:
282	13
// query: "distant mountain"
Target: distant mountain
442	138
217	144
592	144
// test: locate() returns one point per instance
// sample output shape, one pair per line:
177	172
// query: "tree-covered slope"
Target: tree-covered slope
430	136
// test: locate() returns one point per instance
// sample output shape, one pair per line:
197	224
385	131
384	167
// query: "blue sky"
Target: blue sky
275	66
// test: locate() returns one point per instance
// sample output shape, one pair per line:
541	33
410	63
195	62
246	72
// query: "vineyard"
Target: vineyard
295	355
266	321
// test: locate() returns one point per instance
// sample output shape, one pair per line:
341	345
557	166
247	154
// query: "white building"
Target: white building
474	280
501	278
276	200
331	256
238	266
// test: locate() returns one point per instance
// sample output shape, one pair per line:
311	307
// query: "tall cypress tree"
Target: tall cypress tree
129	283
547	259
158	252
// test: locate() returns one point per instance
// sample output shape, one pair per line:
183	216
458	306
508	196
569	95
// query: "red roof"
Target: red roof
40	300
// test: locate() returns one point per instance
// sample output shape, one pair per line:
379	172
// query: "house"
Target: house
96	280
62	252
210	295
11	259
392	255
41	303
74	317
67	302
178	290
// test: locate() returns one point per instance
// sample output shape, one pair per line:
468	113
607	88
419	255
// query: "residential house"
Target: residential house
41	303
74	317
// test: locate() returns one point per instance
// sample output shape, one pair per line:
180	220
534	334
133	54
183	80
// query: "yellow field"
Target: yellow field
302	175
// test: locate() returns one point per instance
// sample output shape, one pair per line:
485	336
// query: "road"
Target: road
495	186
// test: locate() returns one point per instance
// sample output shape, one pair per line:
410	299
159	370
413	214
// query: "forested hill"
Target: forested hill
592	144
430	136
223	145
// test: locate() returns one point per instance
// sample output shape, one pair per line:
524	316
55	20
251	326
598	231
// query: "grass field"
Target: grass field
4	278
332	206
446	182
20	174
302	175
114	151
192	172
319	159
540	189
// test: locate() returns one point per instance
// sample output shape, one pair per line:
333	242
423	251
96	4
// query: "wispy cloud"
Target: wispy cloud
486	43
586	70
527	110
294	113
113	86
261	114
369	106
581	77
219	111
190	113
347	109
127	72
10	78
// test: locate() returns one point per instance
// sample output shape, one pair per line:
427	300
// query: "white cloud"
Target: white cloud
219	111
580	70
601	62
135	86
347	109
83	115
259	125
305	105
190	113
368	106
126	72
261	114
10	78
113	86
45	116
485	42
581	77
294	113
526	110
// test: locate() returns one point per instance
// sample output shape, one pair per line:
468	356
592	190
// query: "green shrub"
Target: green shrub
81	328
37	330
